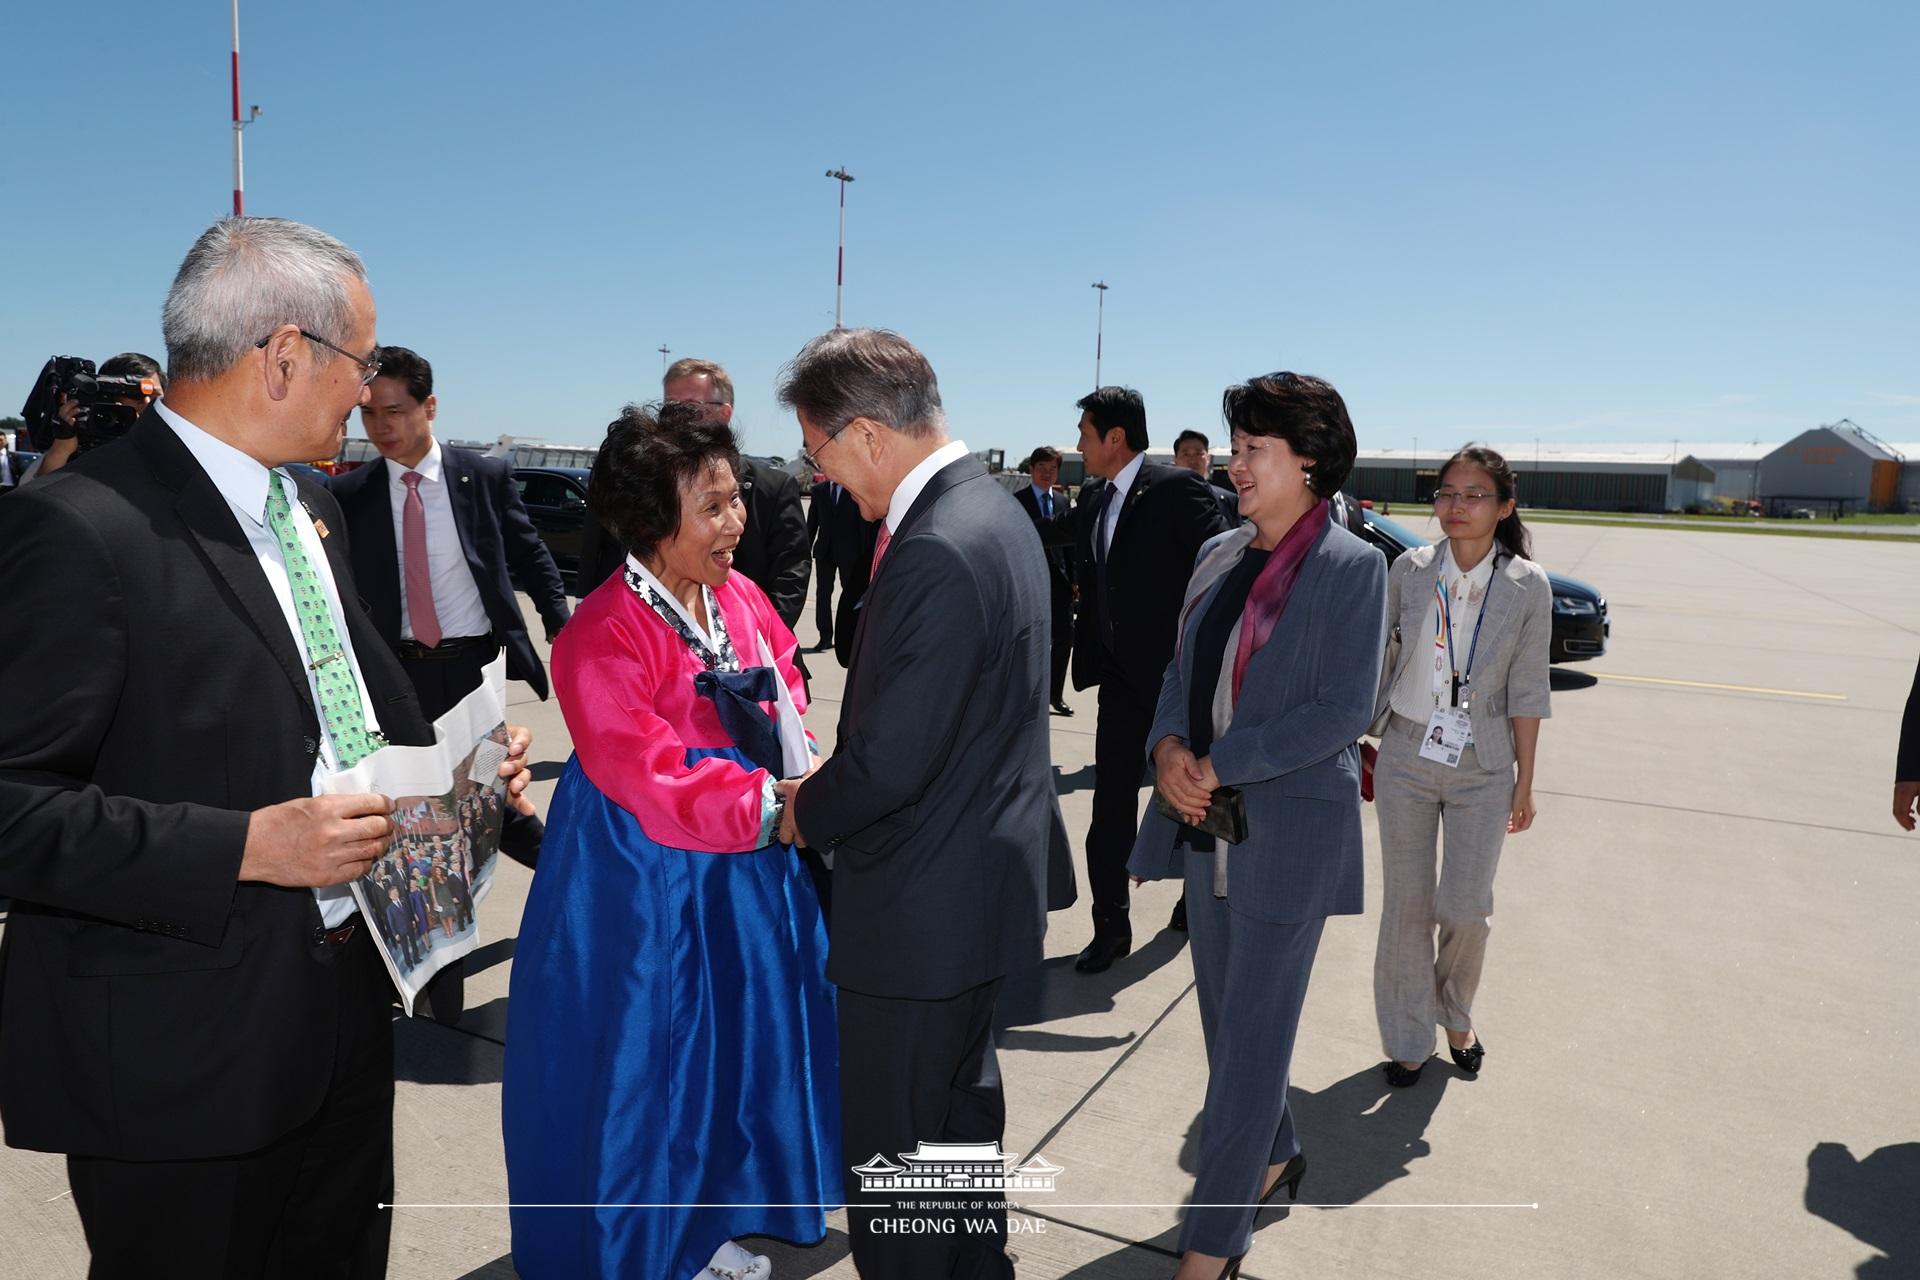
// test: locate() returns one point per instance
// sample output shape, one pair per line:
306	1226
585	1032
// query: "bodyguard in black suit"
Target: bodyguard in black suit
938	805
495	543
775	551
1135	551
820	500
1051	511
193	1011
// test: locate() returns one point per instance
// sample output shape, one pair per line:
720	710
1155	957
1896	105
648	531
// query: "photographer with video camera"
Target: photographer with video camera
73	408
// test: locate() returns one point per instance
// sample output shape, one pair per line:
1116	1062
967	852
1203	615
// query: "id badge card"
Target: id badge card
1448	731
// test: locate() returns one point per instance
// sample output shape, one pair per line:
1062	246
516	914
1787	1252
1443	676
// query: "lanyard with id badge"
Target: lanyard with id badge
1449	729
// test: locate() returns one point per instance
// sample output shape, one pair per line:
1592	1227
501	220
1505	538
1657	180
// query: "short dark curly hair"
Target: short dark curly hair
1307	413
649	452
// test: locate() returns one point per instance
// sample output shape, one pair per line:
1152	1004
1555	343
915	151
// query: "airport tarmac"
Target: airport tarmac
1699	1003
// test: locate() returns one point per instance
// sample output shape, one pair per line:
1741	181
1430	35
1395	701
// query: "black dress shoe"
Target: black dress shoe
1060	708
1468	1059
1101	953
1178	920
1400	1077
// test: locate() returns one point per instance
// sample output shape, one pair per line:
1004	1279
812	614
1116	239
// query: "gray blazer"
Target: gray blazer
1510	673
1291	745
938	802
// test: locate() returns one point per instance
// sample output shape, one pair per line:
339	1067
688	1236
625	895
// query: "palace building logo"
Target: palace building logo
957	1166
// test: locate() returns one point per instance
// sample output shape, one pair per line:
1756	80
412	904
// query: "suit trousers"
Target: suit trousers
914	1071
1251	980
301	1208
1062	641
1119	770
823	599
1417	984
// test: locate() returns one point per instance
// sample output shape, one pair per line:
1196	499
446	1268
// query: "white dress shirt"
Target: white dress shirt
1110	514
242	481
1426	682
909	488
1047	500
456	600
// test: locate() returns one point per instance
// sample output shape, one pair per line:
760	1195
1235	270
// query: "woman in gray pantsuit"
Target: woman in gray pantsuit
1271	685
1458	717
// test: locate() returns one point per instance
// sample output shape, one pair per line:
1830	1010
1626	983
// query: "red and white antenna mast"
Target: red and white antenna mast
239	170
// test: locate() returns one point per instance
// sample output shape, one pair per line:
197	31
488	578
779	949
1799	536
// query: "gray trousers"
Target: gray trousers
1417	984
1251	979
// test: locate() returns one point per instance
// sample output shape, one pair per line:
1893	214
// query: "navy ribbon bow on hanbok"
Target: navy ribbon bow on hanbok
736	696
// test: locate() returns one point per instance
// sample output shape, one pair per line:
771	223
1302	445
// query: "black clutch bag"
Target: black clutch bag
1226	817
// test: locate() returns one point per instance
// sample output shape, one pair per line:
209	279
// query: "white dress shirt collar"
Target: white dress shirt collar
240	478
1124	481
909	489
428	467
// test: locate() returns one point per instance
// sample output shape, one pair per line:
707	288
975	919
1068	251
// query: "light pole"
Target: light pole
841	176
664	353
1099	330
239	172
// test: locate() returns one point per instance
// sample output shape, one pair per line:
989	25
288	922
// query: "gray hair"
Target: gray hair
244	278
863	373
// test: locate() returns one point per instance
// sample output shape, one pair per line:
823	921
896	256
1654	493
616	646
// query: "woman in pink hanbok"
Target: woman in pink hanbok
670	1052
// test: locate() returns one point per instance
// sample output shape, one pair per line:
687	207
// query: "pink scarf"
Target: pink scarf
1274	587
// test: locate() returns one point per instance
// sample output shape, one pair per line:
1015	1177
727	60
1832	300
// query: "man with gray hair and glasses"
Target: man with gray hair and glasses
937	806
196	1015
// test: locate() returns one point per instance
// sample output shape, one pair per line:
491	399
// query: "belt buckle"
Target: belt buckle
324	937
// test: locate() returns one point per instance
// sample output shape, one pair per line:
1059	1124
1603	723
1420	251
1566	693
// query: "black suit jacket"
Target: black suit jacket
938	802
1229	500
495	534
150	1007
1056	534
775	546
1907	765
1167	513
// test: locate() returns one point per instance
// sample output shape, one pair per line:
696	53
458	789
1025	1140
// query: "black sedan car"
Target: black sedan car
556	502
1580	626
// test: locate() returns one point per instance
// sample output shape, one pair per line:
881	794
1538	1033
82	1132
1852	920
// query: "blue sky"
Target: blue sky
1585	223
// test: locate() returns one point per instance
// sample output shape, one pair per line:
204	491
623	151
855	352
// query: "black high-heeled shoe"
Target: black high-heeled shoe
1290	1175
1468	1059
1400	1077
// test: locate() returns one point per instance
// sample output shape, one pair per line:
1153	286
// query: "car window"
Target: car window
1397	531
538	490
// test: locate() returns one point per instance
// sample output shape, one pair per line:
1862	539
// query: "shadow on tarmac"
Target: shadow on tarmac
1053	990
1065	784
425	1052
1359	1134
1873	1200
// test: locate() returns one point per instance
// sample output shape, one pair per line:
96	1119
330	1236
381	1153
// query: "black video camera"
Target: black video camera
99	414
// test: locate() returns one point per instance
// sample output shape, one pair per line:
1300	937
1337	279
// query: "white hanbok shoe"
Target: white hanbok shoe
731	1262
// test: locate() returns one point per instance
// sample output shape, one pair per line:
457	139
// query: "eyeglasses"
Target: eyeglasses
812	462
369	367
1462	498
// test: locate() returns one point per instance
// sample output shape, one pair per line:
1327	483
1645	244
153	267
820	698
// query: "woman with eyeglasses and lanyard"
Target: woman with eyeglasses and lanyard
1458	718
1271	686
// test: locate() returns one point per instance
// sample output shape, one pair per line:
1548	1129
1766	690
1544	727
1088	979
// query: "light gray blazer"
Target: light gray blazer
1510	673
1290	746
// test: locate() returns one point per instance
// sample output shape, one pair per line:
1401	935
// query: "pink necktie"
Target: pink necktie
879	549
413	524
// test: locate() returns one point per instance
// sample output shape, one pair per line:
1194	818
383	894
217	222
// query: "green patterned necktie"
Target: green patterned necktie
340	706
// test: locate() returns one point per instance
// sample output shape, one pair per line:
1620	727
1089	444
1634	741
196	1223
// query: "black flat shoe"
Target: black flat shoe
1290	1175
1468	1059
1101	953
1399	1077
1062	709
1178	920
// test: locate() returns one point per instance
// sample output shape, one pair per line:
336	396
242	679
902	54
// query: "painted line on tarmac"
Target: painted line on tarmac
1728	688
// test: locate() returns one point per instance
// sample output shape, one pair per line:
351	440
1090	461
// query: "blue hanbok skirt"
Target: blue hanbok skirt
672	1074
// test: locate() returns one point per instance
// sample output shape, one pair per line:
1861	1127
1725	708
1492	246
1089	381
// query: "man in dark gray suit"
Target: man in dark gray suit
937	806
